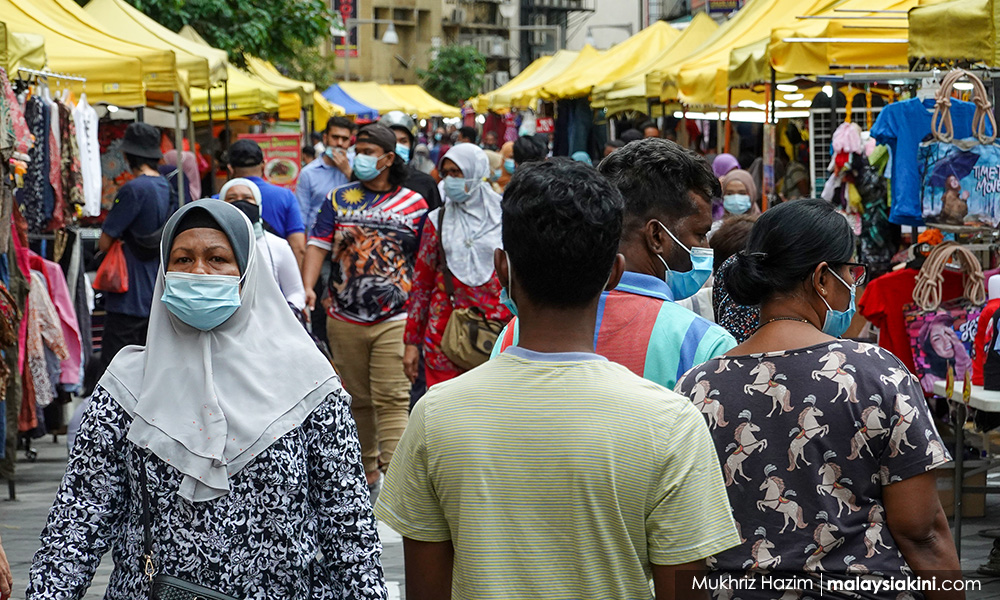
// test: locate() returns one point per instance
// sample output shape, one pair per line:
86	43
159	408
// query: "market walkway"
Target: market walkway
21	522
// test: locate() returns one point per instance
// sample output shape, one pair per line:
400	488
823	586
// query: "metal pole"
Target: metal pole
179	146
211	136
228	133
729	121
192	140
347	49
774	89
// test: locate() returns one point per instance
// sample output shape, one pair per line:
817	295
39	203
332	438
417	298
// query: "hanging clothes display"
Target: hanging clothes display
90	156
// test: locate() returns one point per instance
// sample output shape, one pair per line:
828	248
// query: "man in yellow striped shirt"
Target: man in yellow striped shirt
550	472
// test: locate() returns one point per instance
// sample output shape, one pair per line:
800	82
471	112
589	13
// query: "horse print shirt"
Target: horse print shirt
807	440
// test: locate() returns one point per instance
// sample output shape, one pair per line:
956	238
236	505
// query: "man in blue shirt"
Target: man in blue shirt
137	217
331	170
279	209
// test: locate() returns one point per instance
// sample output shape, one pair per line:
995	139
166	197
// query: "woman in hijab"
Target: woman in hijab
739	193
276	254
496	169
466	233
422	159
234	431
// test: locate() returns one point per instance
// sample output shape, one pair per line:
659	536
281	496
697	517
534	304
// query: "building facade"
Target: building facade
365	55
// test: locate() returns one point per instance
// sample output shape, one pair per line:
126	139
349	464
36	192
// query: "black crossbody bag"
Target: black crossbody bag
165	587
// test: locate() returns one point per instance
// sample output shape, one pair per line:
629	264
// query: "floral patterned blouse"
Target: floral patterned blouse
807	440
429	307
296	524
739	320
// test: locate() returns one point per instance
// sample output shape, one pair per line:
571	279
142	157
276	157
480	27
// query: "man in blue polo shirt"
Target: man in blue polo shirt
668	193
279	208
330	170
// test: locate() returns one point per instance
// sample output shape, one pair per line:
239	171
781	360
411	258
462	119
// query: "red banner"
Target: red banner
282	156
348	9
545	125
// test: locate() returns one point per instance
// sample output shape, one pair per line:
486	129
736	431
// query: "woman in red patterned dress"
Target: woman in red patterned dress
469	231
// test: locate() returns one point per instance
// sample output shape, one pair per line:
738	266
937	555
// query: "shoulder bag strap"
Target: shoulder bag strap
928	288
449	281
147	533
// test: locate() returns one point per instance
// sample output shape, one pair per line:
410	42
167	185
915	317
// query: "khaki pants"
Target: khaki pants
369	359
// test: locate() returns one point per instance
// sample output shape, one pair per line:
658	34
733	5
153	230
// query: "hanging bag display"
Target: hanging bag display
112	275
469	336
942	333
960	179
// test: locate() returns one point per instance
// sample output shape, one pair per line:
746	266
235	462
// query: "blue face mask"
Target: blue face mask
403	152
837	322
497	173
505	298
366	167
202	301
686	284
736	204
437	137
455	188
508	165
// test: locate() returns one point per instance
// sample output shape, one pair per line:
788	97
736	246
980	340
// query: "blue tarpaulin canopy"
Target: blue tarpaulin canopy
351	106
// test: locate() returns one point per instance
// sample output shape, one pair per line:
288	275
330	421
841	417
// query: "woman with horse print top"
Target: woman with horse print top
826	445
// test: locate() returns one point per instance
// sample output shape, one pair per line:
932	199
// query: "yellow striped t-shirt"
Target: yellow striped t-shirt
557	476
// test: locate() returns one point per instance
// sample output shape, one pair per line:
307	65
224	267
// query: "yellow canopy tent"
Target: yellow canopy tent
294	95
830	44
133	25
426	105
247	96
218	60
630	92
704	78
372	95
20	50
481	103
526	89
159	66
618	61
111	77
323	109
579	68
961	30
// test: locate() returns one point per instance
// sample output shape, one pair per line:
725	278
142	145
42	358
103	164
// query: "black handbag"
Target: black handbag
165	587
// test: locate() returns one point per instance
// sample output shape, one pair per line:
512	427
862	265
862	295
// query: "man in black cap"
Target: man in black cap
141	208
370	230
405	129
279	207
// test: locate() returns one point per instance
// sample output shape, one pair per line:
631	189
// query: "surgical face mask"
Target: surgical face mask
366	167
686	284
437	137
736	204
403	152
202	301
837	322
505	298
456	188
508	165
497	173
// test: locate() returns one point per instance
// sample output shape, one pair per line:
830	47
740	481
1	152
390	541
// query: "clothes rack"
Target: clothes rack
52	74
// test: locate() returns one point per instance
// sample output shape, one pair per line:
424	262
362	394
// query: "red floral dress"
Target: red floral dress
429	308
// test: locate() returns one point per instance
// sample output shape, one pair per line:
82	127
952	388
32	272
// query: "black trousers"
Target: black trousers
121	330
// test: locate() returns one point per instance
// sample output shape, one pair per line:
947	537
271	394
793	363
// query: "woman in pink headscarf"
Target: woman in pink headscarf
190	168
739	193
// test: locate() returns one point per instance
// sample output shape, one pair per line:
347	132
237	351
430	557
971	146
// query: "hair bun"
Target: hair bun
744	278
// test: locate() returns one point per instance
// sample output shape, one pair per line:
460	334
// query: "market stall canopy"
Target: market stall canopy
247	96
960	30
703	79
585	62
853	34
136	27
630	92
425	105
268	73
20	50
511	96
616	62
111	77
481	103
351	106
371	94
323	109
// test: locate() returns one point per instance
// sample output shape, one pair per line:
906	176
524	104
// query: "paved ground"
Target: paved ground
22	520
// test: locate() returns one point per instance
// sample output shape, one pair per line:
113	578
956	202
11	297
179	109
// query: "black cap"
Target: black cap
245	153
142	139
379	135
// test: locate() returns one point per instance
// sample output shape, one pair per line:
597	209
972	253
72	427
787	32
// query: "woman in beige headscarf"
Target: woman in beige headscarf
496	169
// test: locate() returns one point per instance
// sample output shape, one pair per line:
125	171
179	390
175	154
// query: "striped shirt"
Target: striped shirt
557	476
641	327
372	238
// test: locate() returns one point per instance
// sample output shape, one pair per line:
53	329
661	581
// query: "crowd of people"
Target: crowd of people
489	350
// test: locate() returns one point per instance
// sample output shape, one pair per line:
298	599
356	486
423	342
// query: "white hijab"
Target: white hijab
471	229
258	227
210	402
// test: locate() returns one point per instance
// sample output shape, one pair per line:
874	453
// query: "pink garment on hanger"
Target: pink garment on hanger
59	294
24	266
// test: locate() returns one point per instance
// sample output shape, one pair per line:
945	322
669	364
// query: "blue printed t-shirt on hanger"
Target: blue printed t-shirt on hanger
902	126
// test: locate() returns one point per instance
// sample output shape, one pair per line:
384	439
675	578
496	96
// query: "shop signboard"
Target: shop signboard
282	156
723	7
345	39
545	125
